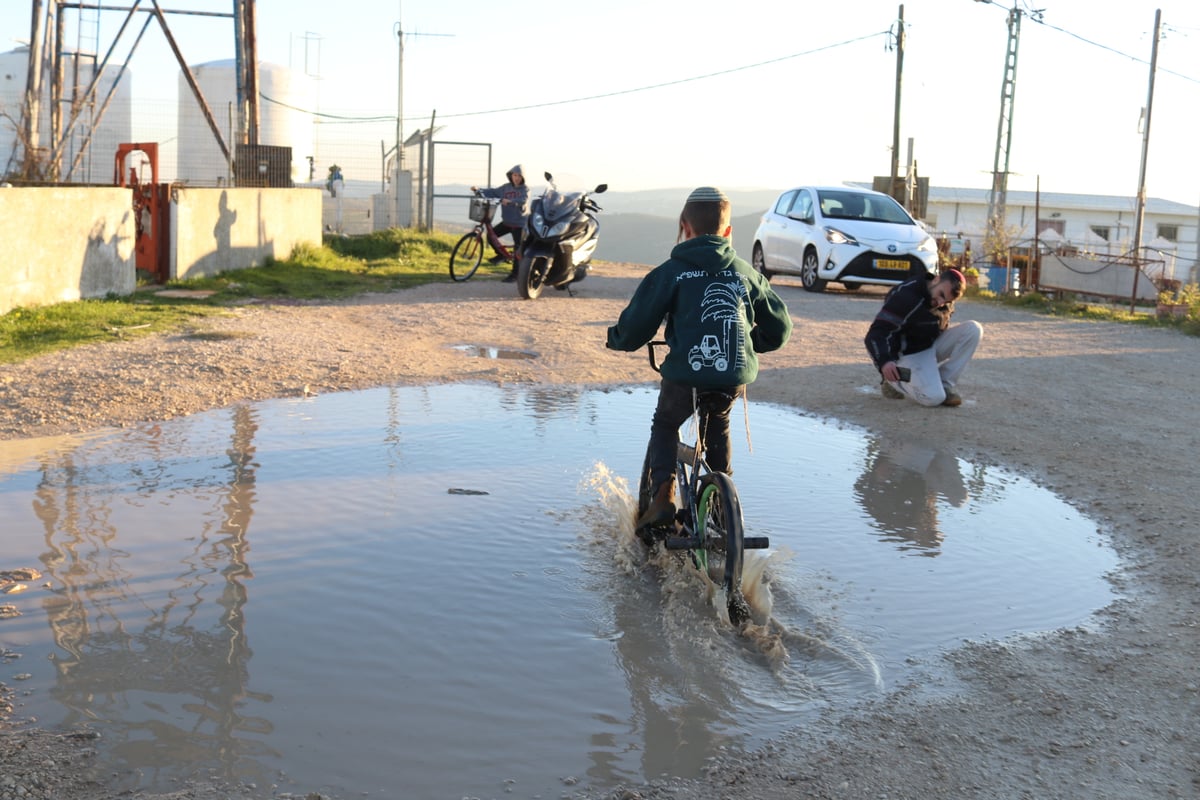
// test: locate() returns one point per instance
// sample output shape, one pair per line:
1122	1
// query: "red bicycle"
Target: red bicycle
468	253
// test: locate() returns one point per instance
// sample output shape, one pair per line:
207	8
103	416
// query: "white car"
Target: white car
844	234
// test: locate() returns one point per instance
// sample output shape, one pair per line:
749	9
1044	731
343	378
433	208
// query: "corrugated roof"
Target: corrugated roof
1081	202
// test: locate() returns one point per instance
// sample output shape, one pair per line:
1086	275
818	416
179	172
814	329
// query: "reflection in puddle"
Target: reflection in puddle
481	351
902	486
412	590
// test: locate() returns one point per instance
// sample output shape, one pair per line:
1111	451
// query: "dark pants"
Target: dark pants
504	228
674	407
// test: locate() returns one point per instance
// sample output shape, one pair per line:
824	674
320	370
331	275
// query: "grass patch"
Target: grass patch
28	332
384	261
1075	308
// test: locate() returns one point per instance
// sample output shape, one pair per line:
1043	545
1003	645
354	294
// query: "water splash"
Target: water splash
679	576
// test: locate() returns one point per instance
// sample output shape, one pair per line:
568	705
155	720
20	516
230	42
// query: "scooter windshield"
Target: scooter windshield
556	204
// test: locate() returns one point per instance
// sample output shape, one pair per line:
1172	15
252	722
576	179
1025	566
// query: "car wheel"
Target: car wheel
852	286
760	262
808	272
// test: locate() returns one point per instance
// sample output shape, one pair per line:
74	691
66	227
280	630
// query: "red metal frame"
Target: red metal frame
150	207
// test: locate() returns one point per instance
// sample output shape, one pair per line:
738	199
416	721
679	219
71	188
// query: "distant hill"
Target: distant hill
635	227
667	202
648	239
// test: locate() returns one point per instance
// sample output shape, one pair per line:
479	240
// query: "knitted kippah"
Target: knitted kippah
707	194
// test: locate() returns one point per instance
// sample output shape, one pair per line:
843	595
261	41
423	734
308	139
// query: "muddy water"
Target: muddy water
435	591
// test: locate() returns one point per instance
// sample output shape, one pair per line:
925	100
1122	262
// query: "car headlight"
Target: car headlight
928	245
834	236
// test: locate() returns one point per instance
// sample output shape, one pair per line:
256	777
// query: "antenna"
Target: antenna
398	31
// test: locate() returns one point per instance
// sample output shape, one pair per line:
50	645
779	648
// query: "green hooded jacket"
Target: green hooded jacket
720	313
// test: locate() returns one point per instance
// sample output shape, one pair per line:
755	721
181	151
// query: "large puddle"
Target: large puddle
435	591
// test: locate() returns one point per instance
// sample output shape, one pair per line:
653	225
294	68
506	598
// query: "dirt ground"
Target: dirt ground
1105	415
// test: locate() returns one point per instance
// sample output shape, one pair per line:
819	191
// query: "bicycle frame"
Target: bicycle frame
709	517
467	255
493	239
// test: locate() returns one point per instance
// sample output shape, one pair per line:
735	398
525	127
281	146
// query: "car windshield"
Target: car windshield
838	204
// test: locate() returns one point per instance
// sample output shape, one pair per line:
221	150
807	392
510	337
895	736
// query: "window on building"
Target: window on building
1059	226
1103	231
1168	232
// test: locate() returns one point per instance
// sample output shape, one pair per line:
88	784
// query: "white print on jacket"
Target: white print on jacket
724	303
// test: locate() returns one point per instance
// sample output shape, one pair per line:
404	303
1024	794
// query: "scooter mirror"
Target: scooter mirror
601	189
549	177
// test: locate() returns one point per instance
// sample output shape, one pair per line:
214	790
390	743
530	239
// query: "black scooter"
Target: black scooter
560	237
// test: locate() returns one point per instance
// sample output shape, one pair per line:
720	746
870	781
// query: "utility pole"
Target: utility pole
33	91
896	116
1141	195
400	99
398	167
998	197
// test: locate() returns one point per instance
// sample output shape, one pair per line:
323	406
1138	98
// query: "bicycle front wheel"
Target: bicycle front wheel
466	257
721	533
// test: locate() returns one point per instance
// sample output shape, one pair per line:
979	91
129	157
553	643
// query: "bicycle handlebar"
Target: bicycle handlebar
650	351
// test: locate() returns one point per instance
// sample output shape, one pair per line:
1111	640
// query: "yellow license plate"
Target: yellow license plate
891	263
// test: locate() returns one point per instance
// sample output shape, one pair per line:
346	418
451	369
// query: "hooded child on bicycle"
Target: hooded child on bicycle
720	313
514	208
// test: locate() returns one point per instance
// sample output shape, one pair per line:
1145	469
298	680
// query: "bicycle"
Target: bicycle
468	253
708	521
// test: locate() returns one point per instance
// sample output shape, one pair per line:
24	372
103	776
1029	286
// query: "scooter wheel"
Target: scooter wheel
531	275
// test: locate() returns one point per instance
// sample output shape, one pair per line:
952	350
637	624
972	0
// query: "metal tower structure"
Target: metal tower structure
84	108
998	197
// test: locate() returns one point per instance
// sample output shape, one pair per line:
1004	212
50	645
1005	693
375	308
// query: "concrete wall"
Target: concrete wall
69	243
65	243
349	215
215	230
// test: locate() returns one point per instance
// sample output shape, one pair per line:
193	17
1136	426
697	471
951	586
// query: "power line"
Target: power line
673	83
1138	59
1037	14
336	117
604	95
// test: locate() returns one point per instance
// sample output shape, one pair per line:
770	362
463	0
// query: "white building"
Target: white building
1094	224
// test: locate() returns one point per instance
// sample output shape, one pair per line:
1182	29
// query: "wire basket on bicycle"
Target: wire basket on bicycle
481	209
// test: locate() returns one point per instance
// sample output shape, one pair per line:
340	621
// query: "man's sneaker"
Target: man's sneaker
497	259
890	392
509	278
953	398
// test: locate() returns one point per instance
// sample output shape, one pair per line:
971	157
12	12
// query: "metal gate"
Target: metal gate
446	169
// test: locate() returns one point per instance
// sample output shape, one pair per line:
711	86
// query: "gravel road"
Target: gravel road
1103	414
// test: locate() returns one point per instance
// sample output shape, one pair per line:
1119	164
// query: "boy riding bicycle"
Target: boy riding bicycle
720	313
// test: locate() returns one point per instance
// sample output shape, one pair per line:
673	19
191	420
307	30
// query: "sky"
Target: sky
755	94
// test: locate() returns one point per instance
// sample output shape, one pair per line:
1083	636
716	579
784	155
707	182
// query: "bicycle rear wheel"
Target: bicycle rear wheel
466	256
721	533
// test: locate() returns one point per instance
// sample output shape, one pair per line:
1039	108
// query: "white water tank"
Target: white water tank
286	99
114	127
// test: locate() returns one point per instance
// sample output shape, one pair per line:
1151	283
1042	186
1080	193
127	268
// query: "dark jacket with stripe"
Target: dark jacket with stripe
905	324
